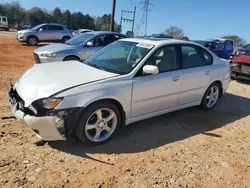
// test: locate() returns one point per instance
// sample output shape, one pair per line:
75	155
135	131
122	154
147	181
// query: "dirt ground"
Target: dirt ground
188	148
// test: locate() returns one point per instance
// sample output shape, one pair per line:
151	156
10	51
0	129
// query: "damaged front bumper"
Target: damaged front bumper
56	125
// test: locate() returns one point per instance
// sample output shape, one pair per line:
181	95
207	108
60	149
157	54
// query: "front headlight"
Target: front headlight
49	55
50	103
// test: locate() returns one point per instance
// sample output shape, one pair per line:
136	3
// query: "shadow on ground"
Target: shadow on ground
38	45
165	129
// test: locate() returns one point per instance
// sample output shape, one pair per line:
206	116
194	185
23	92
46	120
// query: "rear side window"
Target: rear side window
4	19
55	28
194	57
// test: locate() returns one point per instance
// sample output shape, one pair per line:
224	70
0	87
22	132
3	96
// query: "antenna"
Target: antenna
144	18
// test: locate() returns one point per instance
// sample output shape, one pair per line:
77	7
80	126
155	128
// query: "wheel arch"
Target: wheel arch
113	101
32	36
71	55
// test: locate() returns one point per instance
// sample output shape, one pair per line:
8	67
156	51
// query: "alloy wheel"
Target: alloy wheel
212	96
101	124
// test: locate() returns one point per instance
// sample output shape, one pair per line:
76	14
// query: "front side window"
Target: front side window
228	46
79	39
36	28
165	59
119	57
194	57
102	40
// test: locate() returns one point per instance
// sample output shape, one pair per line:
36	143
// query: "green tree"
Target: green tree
57	14
238	41
175	32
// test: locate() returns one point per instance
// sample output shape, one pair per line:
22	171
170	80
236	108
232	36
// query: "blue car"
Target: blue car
223	48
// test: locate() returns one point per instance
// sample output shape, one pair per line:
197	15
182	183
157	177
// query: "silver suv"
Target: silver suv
44	33
78	48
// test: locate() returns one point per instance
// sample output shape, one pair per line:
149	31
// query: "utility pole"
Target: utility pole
112	22
126	19
144	19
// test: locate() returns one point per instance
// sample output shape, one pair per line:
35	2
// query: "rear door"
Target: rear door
55	32
196	65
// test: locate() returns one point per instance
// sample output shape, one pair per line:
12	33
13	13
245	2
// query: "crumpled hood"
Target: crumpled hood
242	59
53	48
44	80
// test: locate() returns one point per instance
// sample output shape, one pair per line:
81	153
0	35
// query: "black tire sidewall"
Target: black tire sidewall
81	123
29	42
203	101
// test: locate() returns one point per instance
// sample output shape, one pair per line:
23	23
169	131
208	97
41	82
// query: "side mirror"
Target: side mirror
40	30
89	44
150	69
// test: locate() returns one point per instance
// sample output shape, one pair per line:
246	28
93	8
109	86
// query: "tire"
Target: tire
71	58
64	39
89	125
211	97
32	41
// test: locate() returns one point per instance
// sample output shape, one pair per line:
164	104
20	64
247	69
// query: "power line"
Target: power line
144	18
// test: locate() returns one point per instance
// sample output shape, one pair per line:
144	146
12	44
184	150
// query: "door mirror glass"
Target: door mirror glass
89	44
40	30
150	69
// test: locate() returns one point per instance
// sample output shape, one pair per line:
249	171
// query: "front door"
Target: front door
196	73
152	93
43	33
98	43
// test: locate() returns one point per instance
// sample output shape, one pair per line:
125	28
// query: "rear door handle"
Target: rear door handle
207	72
176	78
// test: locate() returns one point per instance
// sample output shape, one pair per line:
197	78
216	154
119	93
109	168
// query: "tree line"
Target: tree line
18	17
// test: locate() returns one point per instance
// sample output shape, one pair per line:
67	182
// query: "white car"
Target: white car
124	82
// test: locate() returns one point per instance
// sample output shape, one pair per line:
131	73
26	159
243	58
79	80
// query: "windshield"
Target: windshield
79	39
247	46
119	57
36	27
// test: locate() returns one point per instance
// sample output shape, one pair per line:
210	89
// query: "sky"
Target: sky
199	19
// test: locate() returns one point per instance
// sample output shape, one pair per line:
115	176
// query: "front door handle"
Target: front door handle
176	78
207	72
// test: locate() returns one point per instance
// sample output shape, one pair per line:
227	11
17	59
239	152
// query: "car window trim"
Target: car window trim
200	49
178	60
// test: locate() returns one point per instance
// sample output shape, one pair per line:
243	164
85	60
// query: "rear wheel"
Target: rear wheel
211	96
32	41
98	123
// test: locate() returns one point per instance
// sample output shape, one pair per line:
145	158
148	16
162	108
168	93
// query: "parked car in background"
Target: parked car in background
242	50
78	48
27	26
127	81
4	23
240	66
81	31
44	33
223	48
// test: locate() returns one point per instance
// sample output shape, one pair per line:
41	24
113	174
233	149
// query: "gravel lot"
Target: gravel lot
188	148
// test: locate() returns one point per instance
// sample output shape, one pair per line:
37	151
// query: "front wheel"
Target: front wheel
32	41
211	97
98	123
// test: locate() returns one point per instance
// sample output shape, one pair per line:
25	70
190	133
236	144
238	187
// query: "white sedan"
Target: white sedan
126	81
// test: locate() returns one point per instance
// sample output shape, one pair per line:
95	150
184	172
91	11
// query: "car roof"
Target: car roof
157	41
104	32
